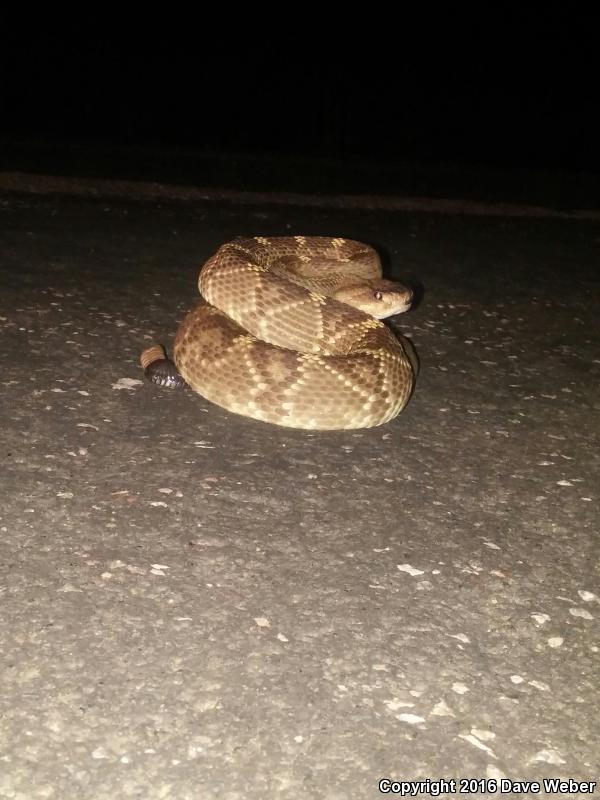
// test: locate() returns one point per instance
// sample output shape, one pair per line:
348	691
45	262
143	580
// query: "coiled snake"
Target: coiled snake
290	333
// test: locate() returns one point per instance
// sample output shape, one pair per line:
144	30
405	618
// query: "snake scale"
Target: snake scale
290	333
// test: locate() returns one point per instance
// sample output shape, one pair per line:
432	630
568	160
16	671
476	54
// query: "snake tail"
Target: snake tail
159	369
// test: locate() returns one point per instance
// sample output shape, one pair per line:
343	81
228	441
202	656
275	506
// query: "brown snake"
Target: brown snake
289	335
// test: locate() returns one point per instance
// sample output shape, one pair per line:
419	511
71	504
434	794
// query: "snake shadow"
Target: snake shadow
397	272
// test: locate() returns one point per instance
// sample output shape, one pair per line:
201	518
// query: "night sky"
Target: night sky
525	98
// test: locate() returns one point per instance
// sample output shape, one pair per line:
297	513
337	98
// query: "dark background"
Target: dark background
501	94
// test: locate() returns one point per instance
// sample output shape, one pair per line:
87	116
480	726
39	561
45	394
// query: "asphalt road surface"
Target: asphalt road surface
198	605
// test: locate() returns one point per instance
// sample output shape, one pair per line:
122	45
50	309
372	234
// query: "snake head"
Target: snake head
380	298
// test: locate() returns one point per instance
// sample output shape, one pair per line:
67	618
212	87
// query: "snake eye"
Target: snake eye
378	295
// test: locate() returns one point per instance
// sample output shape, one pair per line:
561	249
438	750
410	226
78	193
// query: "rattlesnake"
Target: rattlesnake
281	338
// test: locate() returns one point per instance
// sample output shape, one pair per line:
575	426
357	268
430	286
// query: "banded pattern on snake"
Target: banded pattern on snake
290	333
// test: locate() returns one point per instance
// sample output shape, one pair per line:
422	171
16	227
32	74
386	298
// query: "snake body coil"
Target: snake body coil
289	335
